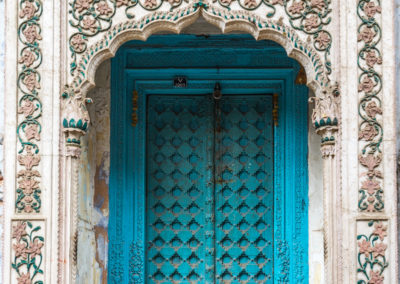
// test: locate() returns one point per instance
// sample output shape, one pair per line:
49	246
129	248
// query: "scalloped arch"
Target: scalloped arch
176	21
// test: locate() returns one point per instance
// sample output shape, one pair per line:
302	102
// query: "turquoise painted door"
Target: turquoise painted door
209	191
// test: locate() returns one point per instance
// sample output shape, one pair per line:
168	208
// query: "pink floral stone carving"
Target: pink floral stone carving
371	59
366	85
375	277
78	43
372	109
27	108
323	39
250	3
122	2
30	81
366	35
20	250
104	8
35	248
19	231
28	10
319	4
150	3
368	133
311	22
370	9
296	7
32	132
172	2
371	161
371	185
28	185
25	278
380	230
379	249
31	34
89	23
365	247
275	2
29	160
27	58
81	5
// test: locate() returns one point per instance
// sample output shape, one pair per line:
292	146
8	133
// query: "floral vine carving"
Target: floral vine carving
27	252
92	17
370	109
312	17
371	254
29	106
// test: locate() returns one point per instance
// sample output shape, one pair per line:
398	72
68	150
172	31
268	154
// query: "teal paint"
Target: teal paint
128	251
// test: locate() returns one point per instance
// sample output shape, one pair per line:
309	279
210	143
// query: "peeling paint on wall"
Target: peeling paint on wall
94	176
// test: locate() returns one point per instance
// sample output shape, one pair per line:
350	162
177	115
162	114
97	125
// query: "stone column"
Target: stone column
75	121
326	122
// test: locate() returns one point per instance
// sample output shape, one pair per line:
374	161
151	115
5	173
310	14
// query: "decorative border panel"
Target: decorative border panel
370	106
28	193
27	236
371	252
371	234
27	255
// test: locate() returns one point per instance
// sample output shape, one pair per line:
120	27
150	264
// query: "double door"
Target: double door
209	190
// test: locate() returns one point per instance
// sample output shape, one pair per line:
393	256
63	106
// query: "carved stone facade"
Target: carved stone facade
55	47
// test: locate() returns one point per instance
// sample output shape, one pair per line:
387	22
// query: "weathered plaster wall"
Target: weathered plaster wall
315	210
397	46
93	196
2	27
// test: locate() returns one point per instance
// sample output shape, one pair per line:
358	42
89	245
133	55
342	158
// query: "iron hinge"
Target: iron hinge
134	108
275	109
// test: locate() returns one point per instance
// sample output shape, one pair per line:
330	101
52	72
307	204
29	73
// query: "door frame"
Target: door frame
127	207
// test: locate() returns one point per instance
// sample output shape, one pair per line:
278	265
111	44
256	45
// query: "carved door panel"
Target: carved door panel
209	192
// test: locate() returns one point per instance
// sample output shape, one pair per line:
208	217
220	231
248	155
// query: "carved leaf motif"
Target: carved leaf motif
31	34
371	185
376	278
29	160
370	161
365	247
296	8
368	133
370	9
27	108
30	81
27	58
366	35
28	10
372	109
366	85
380	230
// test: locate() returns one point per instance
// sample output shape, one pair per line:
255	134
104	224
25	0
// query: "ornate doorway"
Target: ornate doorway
206	190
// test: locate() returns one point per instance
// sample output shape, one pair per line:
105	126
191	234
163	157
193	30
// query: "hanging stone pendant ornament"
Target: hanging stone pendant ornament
75	119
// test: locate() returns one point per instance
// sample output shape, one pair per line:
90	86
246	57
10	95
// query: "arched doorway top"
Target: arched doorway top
105	44
91	44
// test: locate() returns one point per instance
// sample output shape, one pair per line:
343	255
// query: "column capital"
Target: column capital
75	120
325	118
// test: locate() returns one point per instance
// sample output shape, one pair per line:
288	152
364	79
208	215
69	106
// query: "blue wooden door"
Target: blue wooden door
209	192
